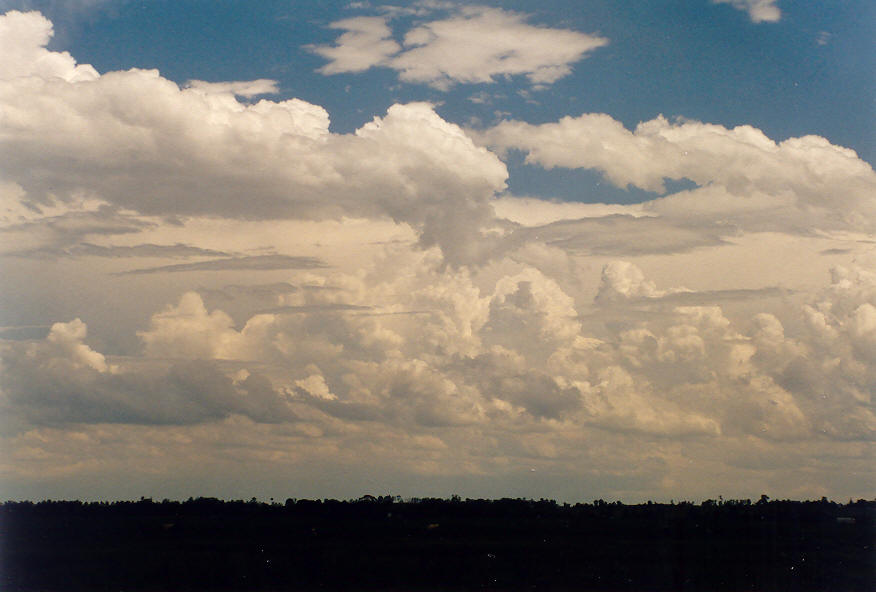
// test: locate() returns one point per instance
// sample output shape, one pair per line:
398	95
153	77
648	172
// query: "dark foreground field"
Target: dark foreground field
386	544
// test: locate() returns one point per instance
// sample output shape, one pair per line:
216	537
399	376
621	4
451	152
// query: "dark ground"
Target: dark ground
432	544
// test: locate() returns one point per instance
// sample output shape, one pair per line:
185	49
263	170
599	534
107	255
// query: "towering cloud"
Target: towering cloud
206	278
137	140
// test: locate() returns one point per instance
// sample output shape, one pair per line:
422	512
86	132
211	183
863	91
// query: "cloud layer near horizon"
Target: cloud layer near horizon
375	297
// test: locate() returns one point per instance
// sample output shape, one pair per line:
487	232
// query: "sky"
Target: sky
574	250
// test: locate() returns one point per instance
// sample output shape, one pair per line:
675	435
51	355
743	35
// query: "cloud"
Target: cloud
252	262
610	235
624	281
189	331
549	352
56	231
84	249
744	179
499	365
475	45
23	37
759	11
366	43
306	308
135	139
244	88
740	159
533	211
61	380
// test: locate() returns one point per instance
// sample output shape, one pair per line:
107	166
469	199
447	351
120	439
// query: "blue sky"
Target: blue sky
618	250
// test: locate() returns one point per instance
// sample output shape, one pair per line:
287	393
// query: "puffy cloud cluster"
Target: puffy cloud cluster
135	139
622	280
23	40
759	11
354	345
476	44
744	179
437	370
61	381
429	346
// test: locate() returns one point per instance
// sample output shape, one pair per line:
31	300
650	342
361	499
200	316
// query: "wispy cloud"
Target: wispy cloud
251	263
120	251
245	88
759	11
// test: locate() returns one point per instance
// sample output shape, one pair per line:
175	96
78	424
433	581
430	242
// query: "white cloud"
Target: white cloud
188	330
743	177
474	45
366	43
622	280
242	88
496	364
68	338
532	211
550	353
60	380
198	152
23	37
759	11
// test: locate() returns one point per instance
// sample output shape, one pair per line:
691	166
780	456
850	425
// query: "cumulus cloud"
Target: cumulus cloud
622	280
744	178
23	40
610	235
61	380
197	152
741	159
475	44
550	350
759	11
497	363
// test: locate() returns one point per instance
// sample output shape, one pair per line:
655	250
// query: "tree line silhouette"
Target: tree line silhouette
386	543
